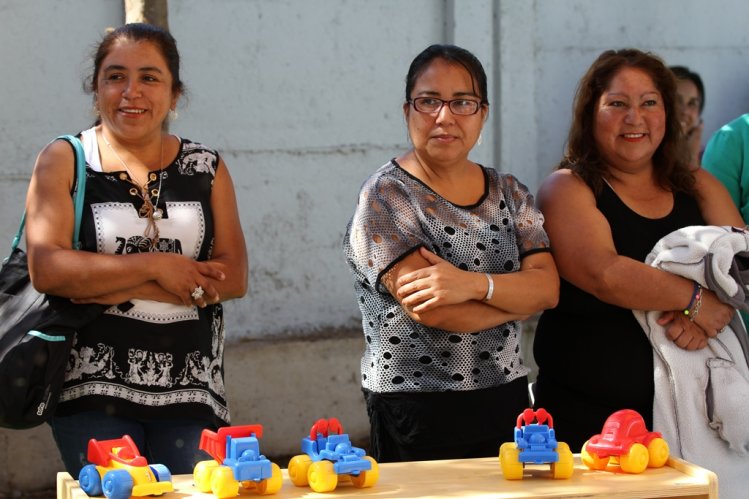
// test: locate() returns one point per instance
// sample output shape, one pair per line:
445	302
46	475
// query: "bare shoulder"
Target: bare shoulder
709	188
705	181
715	202
563	186
55	163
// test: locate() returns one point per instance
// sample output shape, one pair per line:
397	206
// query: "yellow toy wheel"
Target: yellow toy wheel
223	483
504	447
201	475
366	478
566	464
322	476
592	460
270	485
657	453
636	460
512	468
298	467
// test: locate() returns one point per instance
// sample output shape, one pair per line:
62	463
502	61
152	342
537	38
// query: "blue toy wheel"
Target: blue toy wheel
90	480
162	473
117	484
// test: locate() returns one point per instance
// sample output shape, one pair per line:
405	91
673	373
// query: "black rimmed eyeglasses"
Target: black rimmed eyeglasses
432	105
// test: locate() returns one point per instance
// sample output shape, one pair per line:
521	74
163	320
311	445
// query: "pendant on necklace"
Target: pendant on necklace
157	214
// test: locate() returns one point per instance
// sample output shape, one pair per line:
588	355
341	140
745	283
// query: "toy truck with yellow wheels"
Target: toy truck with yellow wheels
626	440
535	443
236	461
329	456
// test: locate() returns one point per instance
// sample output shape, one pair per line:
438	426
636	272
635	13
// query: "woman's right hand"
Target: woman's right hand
439	284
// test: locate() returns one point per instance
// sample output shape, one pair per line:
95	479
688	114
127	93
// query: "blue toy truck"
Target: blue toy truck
236	461
328	455
535	443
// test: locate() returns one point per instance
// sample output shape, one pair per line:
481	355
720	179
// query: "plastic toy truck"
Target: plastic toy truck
328	455
119	471
625	438
236	461
535	443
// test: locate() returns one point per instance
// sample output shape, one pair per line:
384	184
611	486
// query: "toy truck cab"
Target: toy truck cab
625	437
328	454
119	471
236	460
535	443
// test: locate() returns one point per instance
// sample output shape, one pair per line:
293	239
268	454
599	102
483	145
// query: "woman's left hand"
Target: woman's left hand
437	285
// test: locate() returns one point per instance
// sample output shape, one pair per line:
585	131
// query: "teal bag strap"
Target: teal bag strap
79	192
80	185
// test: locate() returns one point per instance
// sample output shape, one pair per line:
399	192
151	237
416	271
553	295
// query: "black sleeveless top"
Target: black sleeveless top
596	349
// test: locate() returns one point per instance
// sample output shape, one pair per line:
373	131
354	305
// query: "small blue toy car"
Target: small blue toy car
328	454
535	443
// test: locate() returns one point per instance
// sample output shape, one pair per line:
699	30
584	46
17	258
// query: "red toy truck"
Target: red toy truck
625	437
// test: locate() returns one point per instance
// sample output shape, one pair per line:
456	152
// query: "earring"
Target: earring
478	142
173	115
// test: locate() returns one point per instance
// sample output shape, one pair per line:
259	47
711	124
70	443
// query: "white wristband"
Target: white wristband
490	291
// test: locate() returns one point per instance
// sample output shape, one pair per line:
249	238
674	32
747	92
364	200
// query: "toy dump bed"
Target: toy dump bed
214	443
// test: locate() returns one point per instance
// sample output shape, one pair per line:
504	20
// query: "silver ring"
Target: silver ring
197	293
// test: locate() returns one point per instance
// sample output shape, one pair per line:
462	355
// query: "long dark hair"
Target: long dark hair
582	155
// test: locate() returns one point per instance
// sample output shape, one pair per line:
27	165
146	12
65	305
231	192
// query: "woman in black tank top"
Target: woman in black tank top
621	187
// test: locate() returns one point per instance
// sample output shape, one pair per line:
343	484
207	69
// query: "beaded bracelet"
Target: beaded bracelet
695	303
490	291
696	309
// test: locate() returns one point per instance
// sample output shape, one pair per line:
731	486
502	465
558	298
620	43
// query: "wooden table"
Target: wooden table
482	478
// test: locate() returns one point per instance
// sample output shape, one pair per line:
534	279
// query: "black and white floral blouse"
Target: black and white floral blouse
143	358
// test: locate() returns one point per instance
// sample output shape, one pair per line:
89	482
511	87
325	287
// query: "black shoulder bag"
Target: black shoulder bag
36	329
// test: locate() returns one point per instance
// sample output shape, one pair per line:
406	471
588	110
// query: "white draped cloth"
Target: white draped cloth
701	403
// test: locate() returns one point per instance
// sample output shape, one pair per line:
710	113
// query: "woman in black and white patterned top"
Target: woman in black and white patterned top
448	256
162	247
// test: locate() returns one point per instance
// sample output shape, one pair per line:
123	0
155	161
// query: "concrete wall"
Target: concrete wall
546	46
303	99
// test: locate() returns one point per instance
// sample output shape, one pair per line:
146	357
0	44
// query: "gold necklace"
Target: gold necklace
149	209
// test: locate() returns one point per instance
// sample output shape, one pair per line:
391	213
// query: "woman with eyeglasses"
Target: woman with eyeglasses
448	257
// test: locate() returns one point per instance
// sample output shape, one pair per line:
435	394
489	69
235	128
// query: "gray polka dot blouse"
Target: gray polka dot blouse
396	214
